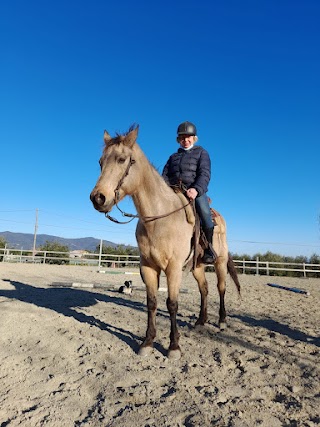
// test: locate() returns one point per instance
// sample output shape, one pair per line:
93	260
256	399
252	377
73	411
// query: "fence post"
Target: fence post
243	266
304	270
257	266
267	265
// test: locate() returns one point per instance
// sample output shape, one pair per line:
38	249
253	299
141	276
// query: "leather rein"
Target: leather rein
133	216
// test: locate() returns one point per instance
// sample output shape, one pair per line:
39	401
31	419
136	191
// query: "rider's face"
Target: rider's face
186	141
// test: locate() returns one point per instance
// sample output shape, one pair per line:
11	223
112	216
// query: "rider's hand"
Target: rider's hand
192	193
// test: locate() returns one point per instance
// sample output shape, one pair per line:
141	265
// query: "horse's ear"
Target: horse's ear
132	136
107	138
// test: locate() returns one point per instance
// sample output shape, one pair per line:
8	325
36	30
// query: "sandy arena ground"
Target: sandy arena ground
69	355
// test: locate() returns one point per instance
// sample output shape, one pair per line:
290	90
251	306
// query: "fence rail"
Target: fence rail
256	266
270	267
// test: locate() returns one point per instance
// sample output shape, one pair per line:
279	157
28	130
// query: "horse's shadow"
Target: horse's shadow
65	301
274	326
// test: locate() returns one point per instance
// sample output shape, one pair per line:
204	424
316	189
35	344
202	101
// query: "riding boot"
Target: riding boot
209	256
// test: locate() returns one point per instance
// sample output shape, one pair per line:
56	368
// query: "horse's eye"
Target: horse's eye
121	160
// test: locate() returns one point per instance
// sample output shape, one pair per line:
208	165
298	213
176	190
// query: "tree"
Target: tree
50	248
314	259
2	245
119	250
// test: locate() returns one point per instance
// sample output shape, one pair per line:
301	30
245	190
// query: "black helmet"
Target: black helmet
187	128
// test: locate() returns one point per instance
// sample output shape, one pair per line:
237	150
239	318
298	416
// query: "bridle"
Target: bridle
117	196
133	216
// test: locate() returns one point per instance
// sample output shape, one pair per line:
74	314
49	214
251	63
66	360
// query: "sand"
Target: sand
69	355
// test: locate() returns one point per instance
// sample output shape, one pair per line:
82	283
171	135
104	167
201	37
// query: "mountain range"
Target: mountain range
25	241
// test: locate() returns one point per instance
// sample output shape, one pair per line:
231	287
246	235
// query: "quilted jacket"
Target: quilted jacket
191	167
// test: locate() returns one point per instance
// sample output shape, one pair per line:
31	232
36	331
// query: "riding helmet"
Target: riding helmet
187	128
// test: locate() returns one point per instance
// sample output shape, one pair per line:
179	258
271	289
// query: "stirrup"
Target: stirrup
209	257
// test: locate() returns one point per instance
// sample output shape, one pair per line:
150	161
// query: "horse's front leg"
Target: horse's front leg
150	277
174	276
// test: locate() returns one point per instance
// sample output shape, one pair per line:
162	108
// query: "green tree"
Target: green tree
119	250
314	259
50	248
273	258
3	243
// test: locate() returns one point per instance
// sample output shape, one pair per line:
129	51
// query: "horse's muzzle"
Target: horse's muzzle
99	201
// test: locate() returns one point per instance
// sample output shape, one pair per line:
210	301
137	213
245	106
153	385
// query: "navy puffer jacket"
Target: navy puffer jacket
192	167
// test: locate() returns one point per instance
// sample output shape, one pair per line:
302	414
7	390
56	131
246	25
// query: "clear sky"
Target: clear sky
247	73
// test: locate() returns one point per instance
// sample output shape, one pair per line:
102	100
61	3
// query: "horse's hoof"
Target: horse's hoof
145	351
199	325
223	326
174	354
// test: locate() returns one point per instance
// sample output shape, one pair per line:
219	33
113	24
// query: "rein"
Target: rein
132	216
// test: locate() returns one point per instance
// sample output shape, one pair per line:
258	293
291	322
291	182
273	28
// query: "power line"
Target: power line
108	228
127	229
104	230
16	222
277	243
81	228
66	216
20	210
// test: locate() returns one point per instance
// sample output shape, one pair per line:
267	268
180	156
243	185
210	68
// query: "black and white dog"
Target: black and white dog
126	288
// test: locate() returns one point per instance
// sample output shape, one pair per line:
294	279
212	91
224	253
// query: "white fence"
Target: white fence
54	257
110	260
271	268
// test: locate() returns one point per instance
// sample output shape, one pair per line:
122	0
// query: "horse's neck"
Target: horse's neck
153	196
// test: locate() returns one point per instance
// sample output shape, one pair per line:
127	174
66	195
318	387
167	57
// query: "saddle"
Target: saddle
199	241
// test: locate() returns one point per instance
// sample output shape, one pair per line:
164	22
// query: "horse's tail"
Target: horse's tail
233	272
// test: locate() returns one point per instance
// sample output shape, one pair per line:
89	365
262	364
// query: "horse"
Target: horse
164	232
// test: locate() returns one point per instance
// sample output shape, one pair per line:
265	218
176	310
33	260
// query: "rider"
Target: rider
191	166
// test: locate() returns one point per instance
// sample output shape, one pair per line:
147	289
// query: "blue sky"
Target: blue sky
246	73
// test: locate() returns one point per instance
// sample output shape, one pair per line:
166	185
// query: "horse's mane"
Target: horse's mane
119	137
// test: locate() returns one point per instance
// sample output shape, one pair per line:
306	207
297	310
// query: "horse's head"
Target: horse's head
117	170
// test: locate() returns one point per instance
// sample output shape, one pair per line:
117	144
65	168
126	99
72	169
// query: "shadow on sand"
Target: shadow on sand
274	326
65	301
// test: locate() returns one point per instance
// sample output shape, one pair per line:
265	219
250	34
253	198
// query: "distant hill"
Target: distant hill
25	241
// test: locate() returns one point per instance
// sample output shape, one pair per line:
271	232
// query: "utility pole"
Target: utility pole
35	235
100	252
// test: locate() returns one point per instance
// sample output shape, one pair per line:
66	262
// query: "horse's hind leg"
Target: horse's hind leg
150	277
221	271
199	275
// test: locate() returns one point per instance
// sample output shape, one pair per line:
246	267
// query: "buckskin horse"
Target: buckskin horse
164	232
